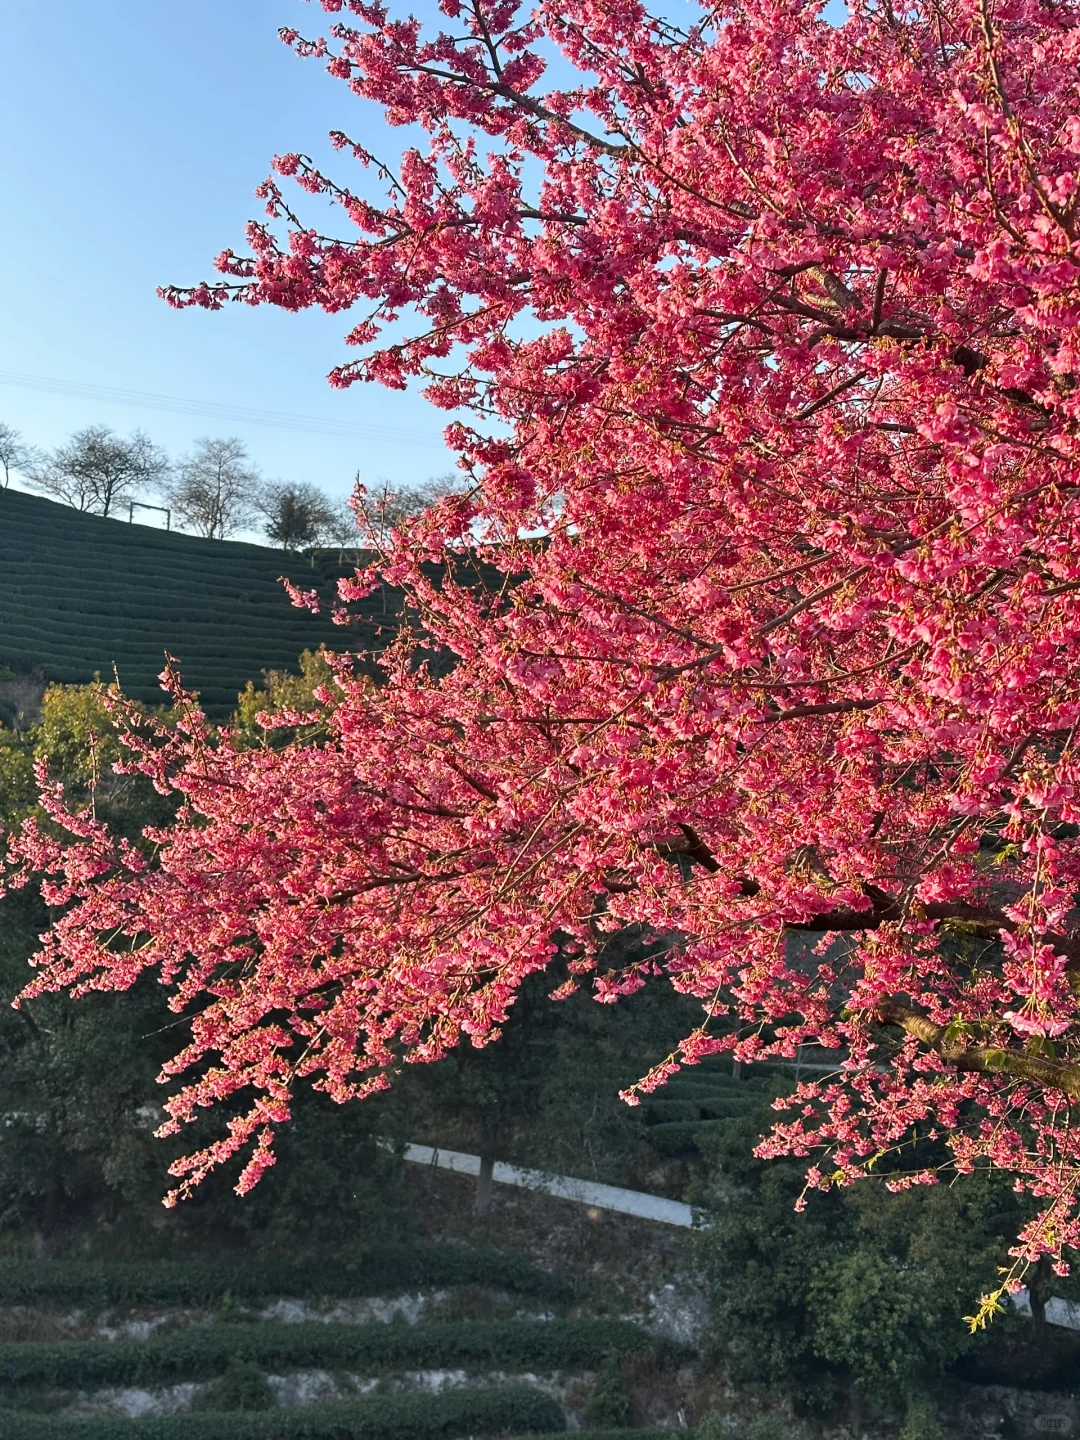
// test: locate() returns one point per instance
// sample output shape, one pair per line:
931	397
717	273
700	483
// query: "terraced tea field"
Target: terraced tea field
80	595
698	1104
379	1347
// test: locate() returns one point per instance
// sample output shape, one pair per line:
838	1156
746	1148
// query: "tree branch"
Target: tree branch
982	1059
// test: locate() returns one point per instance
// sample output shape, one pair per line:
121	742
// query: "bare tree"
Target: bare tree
15	454
97	470
216	488
295	515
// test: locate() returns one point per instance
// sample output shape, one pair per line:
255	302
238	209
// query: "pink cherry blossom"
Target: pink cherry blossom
768	328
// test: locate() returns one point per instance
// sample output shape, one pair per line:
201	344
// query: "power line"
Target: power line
278	419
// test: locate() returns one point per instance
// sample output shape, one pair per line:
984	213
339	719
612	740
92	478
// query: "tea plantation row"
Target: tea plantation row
79	595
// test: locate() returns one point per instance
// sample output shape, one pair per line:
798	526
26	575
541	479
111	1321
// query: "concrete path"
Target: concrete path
1065	1313
585	1192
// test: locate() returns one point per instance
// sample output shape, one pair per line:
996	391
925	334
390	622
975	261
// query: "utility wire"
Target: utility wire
279	419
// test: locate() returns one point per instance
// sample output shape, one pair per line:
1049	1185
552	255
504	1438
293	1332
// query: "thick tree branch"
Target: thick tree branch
983	1059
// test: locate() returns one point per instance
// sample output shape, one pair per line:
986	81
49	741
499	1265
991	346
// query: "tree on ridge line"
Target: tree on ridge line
216	488
97	471
779	321
15	454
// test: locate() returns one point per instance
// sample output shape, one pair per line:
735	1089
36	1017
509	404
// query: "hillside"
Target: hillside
79	595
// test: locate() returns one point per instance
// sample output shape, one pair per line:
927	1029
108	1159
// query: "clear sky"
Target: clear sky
134	135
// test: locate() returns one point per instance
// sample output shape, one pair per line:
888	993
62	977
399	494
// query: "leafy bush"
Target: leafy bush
243	1387
765	1427
512	1409
920	1422
199	1352
864	1288
95	1285
610	1404
713	1426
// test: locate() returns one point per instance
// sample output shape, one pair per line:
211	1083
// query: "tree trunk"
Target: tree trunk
482	1204
855	1402
1038	1294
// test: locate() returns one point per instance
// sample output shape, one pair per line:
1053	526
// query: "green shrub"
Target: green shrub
243	1387
512	1409
713	1425
765	1427
920	1422
618	1432
94	1285
201	1352
680	1136
610	1404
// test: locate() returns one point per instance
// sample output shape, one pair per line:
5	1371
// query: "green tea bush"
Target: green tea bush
511	1409
243	1387
680	1136
200	1352
79	593
95	1285
610	1404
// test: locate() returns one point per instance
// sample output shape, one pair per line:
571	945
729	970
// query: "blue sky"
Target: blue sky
136	133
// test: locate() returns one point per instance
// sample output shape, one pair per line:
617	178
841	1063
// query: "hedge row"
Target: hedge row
95	1285
150	595
131	593
723	1107
682	1135
234	625
222	623
197	593
410	1417
202	1352
705	1088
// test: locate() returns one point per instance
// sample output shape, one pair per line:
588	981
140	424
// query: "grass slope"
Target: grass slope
79	595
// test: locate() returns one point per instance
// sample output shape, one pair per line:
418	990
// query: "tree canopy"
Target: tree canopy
778	323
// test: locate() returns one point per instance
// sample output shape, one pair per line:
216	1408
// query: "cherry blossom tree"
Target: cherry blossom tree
778	322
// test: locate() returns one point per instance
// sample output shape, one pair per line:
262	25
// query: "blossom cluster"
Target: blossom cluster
769	328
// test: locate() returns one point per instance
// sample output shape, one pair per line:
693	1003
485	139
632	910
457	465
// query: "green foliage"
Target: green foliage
511	1409
76	735
884	1319
94	1285
243	1387
610	1404
920	1422
864	1287
18	788
645	1432
713	1426
201	1352
282	690
765	1427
